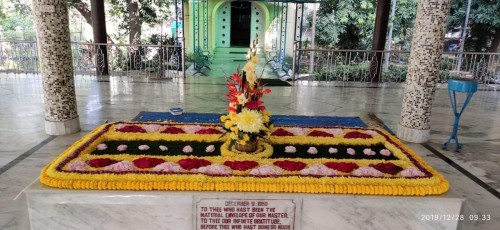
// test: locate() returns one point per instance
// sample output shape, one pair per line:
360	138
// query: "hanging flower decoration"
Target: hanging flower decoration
248	119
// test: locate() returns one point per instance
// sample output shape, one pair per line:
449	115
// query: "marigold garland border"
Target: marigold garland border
436	184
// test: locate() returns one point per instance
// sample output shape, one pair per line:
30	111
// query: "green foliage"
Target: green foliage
150	12
349	24
484	21
16	20
345	24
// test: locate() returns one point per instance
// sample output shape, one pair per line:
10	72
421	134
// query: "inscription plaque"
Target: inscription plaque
215	213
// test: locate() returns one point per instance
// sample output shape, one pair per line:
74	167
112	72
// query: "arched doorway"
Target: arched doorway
238	23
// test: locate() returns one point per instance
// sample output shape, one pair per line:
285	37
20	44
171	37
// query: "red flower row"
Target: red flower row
388	168
169	130
194	163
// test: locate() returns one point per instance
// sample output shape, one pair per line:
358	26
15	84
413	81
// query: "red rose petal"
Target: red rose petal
388	168
318	133
147	162
193	163
241	165
208	131
346	167
131	129
356	134
290	165
281	132
173	130
101	162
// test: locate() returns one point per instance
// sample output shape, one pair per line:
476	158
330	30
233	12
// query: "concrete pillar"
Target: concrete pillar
423	69
54	54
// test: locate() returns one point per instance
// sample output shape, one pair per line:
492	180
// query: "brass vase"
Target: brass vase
250	146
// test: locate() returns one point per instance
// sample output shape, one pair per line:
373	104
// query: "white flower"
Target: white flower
312	150
290	149
187	149
242	99
333	150
210	149
121	148
168	167
143	147
163	148
102	146
369	152
351	151
367	171
122	166
318	170
385	152
412	172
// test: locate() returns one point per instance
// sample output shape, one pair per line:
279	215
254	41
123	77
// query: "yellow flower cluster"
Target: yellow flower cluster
244	125
293	182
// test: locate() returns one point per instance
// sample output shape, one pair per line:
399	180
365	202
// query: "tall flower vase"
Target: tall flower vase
250	146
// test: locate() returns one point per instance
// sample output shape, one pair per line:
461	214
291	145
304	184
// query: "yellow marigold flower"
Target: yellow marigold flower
228	124
243	142
233	136
249	121
223	118
246	137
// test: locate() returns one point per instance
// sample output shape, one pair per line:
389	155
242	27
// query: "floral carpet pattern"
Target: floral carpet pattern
197	157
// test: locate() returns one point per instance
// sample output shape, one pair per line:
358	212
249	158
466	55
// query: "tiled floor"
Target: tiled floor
25	148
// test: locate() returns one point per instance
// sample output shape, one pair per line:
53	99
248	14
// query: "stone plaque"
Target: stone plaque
223	213
47	8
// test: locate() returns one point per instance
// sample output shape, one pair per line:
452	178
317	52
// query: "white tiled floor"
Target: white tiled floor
121	98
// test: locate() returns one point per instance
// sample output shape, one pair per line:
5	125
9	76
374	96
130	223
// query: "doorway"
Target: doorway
240	23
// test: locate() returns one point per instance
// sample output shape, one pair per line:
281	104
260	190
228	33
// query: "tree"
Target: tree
484	23
345	24
404	20
136	12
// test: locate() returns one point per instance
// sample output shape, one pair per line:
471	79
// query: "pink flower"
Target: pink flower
122	166
121	148
163	148
143	147
367	171
371	132
385	152
299	131
168	167
412	172
351	151
152	128
210	149
102	146
318	170
333	150
312	150
215	169
266	170
192	128
77	166
187	149
290	149
335	131
369	152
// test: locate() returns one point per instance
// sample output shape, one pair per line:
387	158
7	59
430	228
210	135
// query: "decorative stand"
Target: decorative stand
463	85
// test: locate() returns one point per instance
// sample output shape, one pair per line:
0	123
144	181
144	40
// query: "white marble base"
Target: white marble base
62	127
413	135
51	208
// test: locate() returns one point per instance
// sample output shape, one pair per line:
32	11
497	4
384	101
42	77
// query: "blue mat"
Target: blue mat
277	119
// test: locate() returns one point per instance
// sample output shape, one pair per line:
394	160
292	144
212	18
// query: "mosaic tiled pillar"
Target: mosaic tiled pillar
54	52
423	69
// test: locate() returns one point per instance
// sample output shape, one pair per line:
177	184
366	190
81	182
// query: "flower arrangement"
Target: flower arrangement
247	121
